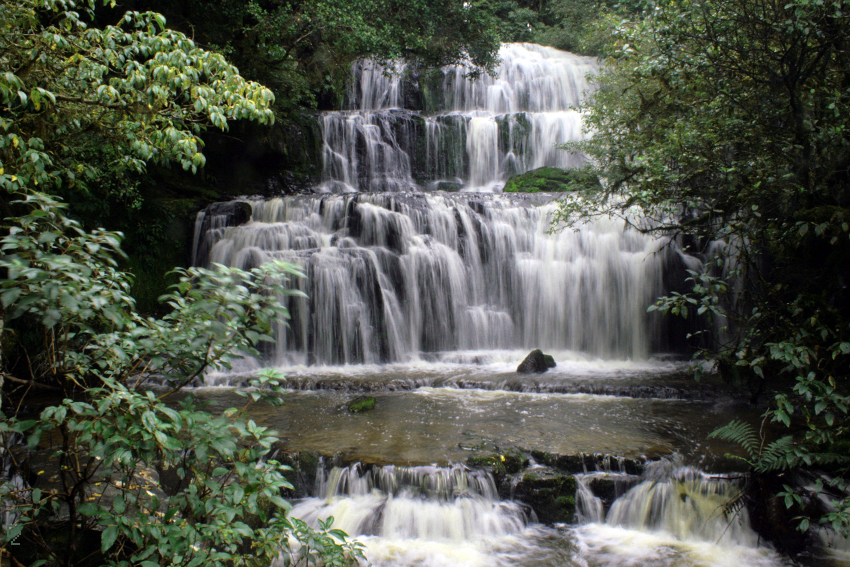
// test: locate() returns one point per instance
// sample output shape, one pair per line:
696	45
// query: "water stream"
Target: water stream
428	299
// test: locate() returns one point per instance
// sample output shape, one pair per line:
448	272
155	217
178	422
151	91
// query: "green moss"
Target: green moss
515	460
551	495
361	404
552	180
494	463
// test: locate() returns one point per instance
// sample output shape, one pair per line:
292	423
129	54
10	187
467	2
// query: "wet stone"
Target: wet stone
551	495
534	363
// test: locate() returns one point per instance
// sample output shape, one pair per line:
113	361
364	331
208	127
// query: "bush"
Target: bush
110	434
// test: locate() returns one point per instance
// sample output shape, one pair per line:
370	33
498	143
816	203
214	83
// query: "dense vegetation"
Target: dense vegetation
88	108
725	122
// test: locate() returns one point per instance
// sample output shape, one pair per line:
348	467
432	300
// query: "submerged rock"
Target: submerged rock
535	363
361	404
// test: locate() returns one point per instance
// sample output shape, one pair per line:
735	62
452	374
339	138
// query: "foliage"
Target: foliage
84	108
760	457
109	432
725	124
303	49
580	26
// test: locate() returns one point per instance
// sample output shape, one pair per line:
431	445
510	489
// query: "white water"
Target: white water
412	286
676	516
393	278
419	515
475	133
431	516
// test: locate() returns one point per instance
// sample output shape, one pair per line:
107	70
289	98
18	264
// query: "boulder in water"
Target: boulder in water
550	361
534	363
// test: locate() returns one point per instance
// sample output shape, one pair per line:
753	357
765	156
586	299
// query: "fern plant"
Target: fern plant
760	457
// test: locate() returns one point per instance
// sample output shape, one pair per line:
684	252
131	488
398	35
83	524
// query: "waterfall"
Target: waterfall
395	274
671	516
398	277
415	515
407	131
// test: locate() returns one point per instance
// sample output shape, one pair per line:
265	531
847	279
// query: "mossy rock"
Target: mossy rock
361	404
552	180
550	494
515	460
495	464
583	463
550	360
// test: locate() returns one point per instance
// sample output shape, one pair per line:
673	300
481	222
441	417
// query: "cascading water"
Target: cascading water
442	292
419	515
470	133
673	516
396	277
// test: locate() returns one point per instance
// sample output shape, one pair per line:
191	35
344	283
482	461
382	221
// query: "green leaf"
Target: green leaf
91	509
9	296
119	505
107	538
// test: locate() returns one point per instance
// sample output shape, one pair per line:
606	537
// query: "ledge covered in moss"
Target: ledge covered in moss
551	180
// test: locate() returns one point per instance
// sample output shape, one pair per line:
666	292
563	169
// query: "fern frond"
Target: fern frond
777	456
739	433
732	507
829	459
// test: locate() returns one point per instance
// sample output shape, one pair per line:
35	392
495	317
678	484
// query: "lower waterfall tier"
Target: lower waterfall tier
427	516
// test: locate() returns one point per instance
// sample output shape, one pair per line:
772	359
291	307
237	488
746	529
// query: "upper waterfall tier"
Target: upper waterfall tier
412	131
529	78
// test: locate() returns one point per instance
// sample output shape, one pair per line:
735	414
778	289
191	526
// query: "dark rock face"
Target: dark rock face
534	363
550	493
236	212
285	158
773	520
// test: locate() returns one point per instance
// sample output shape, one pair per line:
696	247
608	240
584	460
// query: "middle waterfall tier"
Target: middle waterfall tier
406	132
398	277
